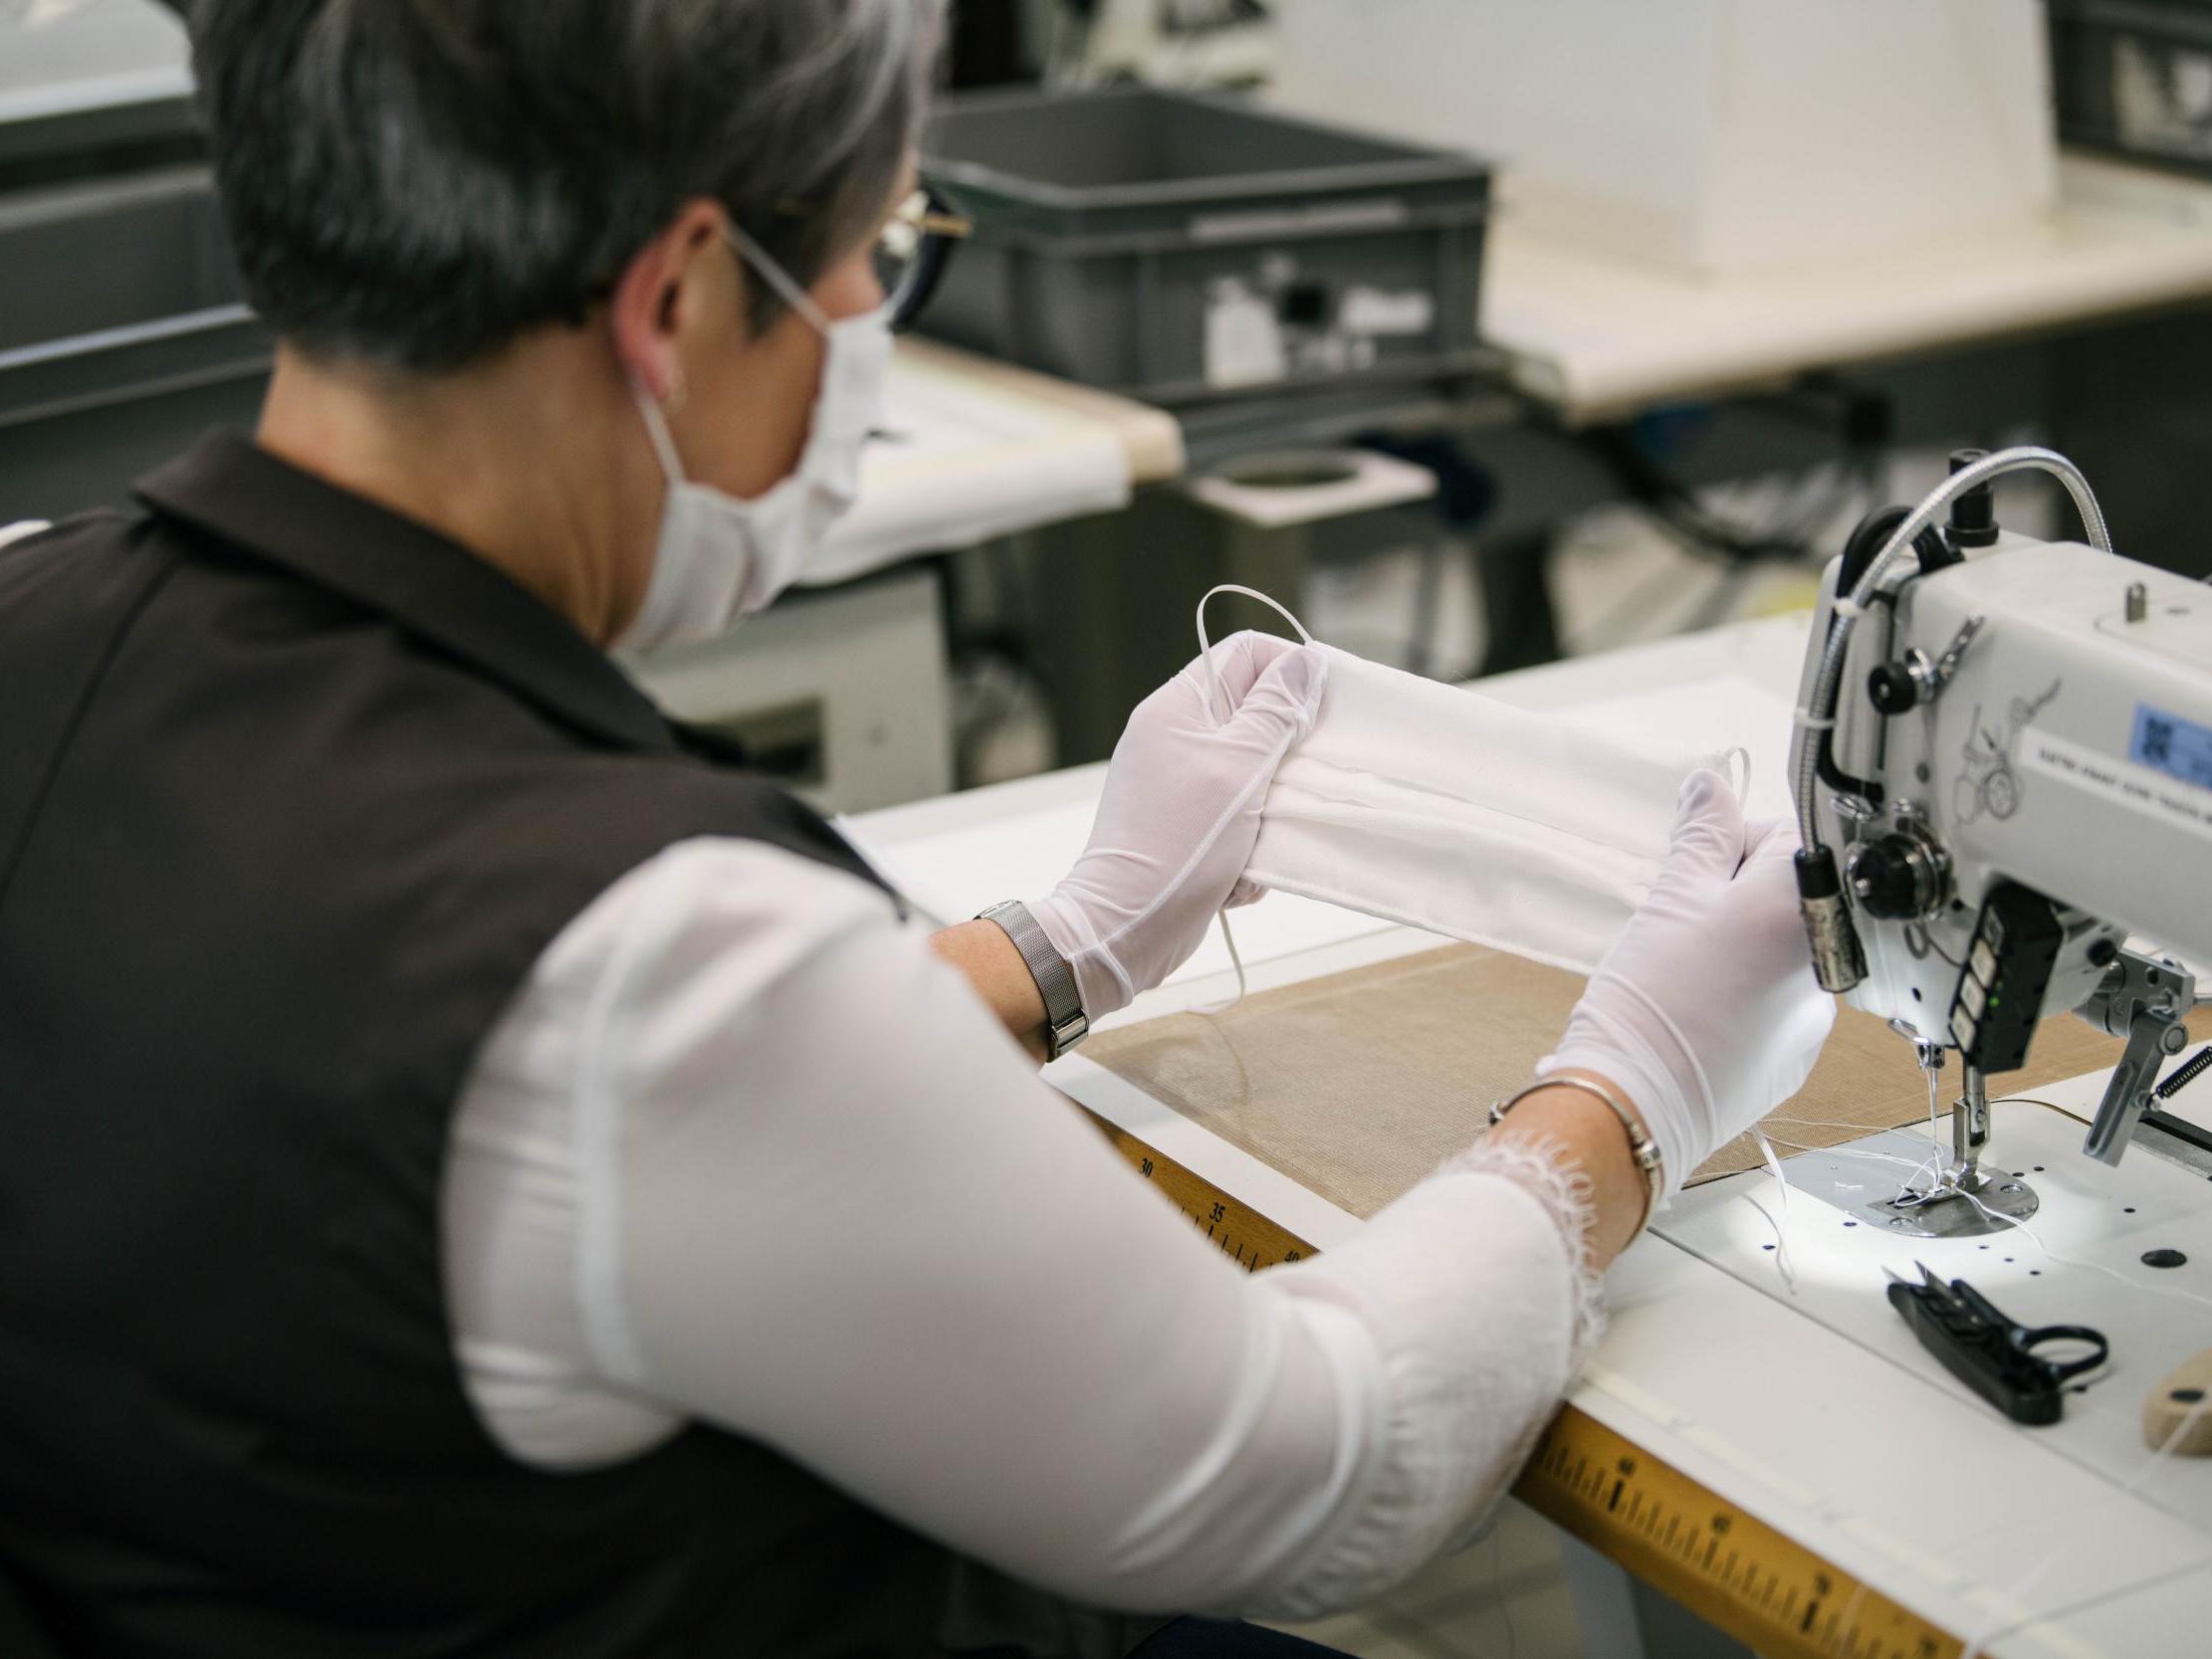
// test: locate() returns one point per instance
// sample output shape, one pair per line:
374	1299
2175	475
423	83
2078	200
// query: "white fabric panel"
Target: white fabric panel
1442	808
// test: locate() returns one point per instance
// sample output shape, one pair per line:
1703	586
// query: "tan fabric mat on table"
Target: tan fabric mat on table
1358	1085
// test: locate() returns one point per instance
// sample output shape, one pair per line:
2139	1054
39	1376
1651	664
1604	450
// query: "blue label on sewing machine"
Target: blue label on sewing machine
2178	747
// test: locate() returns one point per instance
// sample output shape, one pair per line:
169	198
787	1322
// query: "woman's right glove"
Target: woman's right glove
1178	817
1705	1011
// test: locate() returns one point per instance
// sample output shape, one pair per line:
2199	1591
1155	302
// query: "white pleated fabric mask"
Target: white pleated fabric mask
1443	809
718	558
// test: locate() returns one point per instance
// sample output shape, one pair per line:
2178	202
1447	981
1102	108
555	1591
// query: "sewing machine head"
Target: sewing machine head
2003	773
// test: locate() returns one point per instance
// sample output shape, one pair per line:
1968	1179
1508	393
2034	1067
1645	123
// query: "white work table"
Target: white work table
1816	1413
1599	336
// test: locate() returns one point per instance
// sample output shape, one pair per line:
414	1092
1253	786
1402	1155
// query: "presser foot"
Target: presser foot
1957	1204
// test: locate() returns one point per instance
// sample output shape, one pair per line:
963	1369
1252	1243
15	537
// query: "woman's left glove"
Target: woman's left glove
1705	1010
1181	812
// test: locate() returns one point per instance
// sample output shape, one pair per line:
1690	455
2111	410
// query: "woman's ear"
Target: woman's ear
663	294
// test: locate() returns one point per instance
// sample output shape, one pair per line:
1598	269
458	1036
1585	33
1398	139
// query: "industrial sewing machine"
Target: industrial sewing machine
2003	776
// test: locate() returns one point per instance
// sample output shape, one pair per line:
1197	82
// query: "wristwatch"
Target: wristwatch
1065	1023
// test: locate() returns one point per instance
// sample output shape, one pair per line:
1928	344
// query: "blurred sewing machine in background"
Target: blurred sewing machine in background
2003	775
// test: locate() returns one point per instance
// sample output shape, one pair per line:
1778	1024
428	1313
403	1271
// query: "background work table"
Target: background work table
1600	337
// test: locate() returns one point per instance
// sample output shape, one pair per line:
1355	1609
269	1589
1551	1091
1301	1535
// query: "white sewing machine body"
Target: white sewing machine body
2025	768
2018	780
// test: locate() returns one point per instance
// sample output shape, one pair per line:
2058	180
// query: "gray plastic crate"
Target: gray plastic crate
1183	248
2134	78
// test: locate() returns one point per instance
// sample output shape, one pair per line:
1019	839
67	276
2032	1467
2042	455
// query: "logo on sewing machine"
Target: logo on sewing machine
1990	784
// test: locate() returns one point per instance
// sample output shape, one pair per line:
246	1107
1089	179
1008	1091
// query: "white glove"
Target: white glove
1179	819
1705	1010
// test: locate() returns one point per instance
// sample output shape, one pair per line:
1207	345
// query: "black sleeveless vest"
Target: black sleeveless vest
293	793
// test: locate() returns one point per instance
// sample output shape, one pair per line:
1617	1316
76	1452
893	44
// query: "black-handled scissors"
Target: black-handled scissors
1991	1354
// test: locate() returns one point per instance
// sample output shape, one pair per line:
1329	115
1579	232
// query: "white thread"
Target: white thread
1782	1262
2113	1274
1932	1166
2152	1287
1806	720
2149	1286
1935	1139
1926	1167
1498	1597
1990	1630
1781	1244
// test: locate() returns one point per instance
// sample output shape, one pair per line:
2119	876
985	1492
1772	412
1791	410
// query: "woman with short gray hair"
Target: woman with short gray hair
485	1174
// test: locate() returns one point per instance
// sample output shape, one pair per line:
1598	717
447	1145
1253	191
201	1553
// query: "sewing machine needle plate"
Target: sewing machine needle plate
1865	1179
2001	1200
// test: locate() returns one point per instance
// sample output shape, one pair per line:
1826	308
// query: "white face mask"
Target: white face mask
1449	810
720	558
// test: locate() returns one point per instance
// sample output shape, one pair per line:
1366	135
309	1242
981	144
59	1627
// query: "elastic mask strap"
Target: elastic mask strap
656	428
1213	702
1236	961
1206	646
776	278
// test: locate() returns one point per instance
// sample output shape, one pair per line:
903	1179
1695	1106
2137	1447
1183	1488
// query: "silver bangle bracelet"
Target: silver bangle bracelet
1642	1148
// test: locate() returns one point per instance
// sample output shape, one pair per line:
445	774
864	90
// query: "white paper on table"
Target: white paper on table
954	465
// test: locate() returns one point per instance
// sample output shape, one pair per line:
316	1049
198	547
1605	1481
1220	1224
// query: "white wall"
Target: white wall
1716	136
64	49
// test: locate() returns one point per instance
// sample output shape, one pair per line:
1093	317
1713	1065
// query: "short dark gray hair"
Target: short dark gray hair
412	183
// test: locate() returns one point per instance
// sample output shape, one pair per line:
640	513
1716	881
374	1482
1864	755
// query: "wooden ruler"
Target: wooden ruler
1730	1568
1239	1229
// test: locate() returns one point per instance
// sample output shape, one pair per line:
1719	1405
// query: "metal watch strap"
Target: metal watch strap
1065	1023
1642	1148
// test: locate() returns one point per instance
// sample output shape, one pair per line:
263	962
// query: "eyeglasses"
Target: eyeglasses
916	246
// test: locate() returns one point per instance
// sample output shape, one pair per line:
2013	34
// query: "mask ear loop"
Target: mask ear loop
1221	715
1206	646
656	431
775	276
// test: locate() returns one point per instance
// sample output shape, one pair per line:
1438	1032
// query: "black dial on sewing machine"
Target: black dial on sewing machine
1894	689
1898	876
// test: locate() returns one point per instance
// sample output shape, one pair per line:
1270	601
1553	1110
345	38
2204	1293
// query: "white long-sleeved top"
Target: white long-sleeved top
743	1149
